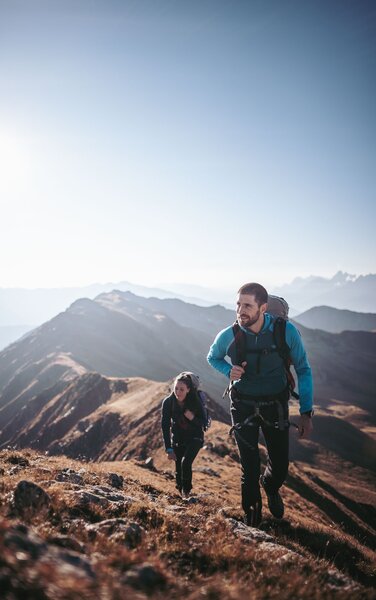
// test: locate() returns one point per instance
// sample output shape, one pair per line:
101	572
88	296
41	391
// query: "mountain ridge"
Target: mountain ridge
342	291
336	320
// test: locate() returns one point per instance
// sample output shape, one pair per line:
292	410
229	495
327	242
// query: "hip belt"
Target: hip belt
255	403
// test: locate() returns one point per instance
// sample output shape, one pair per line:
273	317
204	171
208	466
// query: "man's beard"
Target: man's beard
249	320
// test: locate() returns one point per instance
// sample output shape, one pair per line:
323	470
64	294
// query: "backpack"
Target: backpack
202	396
279	309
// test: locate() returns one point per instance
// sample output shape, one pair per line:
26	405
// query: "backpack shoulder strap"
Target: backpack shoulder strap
279	334
240	343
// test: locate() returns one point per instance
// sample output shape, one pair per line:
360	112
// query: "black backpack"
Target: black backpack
202	396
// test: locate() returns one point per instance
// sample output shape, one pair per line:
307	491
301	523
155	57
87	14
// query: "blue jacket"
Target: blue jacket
271	377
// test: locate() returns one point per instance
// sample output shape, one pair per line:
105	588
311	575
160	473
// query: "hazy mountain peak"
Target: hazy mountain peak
344	290
342	277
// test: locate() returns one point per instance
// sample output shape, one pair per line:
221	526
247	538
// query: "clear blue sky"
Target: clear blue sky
213	142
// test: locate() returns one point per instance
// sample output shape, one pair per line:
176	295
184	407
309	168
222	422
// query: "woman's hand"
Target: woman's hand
189	415
171	456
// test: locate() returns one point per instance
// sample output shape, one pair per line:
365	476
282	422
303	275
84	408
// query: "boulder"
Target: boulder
115	480
69	475
30	498
123	531
145	577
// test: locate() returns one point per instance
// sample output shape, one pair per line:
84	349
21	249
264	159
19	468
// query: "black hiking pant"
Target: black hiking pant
185	453
247	437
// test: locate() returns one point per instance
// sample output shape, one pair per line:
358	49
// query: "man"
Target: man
259	393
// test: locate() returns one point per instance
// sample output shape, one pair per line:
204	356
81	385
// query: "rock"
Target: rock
280	554
30	498
69	564
14	459
28	548
21	540
337	580
149	464
208	471
115	480
145	577
108	493
100	495
220	449
248	533
69	475
65	541
14	470
127	532
83	497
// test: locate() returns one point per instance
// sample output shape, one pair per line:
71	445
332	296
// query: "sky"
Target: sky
212	141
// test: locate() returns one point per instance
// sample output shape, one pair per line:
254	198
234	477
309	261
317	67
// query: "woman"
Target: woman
183	430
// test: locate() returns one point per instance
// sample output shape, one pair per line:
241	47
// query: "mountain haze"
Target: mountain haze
343	291
120	335
35	306
335	320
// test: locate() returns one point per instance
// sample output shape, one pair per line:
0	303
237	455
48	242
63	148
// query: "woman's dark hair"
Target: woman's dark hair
191	401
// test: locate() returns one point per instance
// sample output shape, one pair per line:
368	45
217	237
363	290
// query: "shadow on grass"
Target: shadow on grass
365	512
332	510
325	546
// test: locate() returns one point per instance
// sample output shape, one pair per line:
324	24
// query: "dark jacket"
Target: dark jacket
176	428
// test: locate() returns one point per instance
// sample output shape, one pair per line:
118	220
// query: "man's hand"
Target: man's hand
189	415
237	371
305	426
171	455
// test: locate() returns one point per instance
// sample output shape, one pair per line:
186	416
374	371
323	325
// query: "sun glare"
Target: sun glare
15	163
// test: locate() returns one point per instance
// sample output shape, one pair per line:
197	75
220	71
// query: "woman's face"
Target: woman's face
180	390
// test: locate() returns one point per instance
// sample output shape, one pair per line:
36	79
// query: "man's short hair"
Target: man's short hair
256	290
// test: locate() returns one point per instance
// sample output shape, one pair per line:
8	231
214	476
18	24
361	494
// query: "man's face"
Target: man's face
248	312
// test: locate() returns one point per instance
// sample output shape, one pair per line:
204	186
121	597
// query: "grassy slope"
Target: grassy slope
192	546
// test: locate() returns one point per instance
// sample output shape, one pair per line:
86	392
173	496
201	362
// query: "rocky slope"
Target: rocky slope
71	530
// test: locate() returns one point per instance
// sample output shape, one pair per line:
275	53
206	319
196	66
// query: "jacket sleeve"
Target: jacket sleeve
302	367
218	351
166	421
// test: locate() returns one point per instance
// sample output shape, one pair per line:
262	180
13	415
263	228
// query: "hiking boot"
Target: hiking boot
275	501
185	495
254	515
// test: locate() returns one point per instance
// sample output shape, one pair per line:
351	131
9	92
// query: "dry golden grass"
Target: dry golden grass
191	547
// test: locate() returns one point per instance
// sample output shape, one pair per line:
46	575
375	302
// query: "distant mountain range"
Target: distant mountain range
341	291
336	320
118	334
122	335
20	306
24	309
